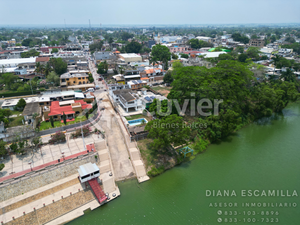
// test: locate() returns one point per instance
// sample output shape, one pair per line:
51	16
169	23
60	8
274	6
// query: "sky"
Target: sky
46	12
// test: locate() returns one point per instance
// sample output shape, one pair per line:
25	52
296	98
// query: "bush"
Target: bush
57	137
2	166
200	145
156	171
16	93
86	131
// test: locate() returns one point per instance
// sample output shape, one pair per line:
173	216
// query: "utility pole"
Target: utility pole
90	23
65	23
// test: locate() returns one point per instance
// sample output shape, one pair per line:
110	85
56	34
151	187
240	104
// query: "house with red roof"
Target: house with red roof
71	109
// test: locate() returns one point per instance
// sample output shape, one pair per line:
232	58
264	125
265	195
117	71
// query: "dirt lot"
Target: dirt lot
162	90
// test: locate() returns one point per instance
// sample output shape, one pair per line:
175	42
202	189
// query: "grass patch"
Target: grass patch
14	112
139	116
47	125
15	121
146	152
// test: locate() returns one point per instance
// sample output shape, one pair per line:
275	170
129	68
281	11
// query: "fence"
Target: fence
90	121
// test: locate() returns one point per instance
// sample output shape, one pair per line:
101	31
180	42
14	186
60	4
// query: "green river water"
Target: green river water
262	156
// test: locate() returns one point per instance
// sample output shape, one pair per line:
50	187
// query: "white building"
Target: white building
14	63
88	172
130	57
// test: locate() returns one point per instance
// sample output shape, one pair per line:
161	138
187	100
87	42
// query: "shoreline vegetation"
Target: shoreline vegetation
246	98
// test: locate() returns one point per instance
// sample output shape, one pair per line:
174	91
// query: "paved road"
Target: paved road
120	158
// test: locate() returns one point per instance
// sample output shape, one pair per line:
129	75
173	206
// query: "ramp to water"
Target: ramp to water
99	193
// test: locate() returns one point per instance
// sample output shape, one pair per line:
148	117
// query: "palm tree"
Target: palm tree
37	68
47	69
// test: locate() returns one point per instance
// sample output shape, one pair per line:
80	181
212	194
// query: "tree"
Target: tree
87	115
102	67
36	141
239	49
186	56
14	148
8	79
54	50
65	118
241	38
242	57
253	53
174	56
51	121
160	53
133	47
170	130
26	42
58	65
2	166
53	78
125	36
273	38
91	79
168	78
20	105
3	150
30	53
195	43
225	57
290	40
97	46
288	75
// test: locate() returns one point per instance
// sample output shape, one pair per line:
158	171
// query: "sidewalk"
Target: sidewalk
46	155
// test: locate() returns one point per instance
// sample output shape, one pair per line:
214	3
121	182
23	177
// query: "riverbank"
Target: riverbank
157	164
263	155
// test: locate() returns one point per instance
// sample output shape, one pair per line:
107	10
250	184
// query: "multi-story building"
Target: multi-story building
257	42
75	81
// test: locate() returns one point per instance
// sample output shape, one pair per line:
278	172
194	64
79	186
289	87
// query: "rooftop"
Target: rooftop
129	55
31	108
68	75
56	109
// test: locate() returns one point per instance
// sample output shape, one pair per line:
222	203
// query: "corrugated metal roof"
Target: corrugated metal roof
87	169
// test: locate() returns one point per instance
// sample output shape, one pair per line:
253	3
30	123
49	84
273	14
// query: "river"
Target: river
262	156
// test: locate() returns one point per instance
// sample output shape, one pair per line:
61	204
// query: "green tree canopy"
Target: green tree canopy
30	53
166	131
133	47
97	46
168	77
53	78
3	150
54	50
195	43
241	38
8	79
58	65
20	105
102	67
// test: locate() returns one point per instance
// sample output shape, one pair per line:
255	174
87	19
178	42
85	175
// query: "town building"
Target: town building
136	84
71	109
75	81
11	103
130	57
257	42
